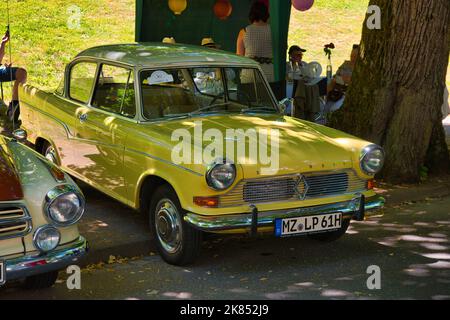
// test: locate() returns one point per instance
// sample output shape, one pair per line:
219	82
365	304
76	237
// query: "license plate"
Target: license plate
2	273
308	224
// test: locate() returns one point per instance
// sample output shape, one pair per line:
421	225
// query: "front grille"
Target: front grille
293	187
15	221
282	189
327	184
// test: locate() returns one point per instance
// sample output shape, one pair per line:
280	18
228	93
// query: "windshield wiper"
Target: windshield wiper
176	116
209	107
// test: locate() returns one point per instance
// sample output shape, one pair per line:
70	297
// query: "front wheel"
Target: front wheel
332	235
178	243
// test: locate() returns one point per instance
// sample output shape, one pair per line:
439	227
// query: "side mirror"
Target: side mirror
19	135
287	106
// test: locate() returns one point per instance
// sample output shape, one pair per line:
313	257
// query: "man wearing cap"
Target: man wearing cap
293	66
295	59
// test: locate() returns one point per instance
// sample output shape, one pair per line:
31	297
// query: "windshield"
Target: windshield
186	92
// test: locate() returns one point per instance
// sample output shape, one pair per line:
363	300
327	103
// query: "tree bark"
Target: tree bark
397	87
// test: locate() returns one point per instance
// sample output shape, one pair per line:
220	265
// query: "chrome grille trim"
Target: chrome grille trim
15	221
294	187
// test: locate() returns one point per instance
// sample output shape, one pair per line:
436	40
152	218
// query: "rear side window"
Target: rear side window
82	77
114	91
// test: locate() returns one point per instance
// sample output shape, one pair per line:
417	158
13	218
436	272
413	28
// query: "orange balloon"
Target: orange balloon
177	6
223	9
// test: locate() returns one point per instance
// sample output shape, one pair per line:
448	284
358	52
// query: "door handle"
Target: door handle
83	117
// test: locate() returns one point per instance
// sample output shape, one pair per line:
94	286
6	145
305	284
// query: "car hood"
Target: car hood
10	186
302	147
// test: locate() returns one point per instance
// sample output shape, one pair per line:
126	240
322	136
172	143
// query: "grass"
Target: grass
337	21
44	40
43	43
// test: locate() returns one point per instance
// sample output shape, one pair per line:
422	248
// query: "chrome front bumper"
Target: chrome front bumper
351	209
36	263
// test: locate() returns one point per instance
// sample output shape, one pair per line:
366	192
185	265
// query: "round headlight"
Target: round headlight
46	238
221	176
64	206
372	159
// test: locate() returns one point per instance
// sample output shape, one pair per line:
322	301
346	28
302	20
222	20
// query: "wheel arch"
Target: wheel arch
147	186
39	144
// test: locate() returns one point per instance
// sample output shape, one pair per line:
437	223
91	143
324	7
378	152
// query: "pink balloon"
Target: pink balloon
302	5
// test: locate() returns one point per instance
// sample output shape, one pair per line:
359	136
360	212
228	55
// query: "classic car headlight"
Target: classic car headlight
372	159
220	176
46	238
64	205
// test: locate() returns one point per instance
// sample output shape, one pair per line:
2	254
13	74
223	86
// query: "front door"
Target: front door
100	130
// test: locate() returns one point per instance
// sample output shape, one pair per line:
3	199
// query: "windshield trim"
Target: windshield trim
222	67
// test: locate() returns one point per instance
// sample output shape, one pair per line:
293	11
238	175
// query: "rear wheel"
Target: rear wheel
178	242
41	281
331	235
49	152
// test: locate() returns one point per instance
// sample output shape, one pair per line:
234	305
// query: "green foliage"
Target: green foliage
43	41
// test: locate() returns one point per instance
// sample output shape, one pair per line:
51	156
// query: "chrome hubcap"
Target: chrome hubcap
168	225
50	154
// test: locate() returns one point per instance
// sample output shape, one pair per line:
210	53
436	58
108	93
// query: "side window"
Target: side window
114	91
82	77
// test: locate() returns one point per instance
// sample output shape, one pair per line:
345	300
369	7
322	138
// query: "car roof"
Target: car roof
151	54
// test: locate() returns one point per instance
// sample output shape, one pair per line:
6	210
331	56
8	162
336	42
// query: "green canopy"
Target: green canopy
154	21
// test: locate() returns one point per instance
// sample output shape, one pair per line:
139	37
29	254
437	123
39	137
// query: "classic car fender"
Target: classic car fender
351	143
175	175
37	180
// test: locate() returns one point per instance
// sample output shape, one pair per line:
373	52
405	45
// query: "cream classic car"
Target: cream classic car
144	124
39	208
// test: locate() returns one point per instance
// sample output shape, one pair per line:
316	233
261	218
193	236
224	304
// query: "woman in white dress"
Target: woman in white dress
255	41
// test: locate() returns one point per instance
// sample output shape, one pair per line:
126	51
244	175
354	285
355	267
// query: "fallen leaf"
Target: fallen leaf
111	259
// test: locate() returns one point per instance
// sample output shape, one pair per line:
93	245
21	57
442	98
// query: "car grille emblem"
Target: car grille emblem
301	187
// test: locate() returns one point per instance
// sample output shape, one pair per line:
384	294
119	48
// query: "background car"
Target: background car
40	206
111	124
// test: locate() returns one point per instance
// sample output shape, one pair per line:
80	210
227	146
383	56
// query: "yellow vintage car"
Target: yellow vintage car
195	138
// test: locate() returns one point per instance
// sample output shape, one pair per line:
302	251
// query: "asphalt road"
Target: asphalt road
410	244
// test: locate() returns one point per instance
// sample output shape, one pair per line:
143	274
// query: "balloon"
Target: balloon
302	5
223	9
177	6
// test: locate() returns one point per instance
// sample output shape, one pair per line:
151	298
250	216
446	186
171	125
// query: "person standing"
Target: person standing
8	74
255	41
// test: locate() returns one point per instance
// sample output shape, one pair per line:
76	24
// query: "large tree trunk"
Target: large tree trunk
397	87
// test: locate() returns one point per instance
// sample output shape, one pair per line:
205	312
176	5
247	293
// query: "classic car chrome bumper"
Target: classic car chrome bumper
32	264
352	209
